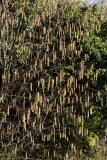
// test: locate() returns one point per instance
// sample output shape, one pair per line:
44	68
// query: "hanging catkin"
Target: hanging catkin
31	86
48	83
40	128
8	110
12	137
23	118
91	111
57	108
40	65
28	115
61	75
39	111
56	81
29	96
47	61
64	92
43	83
54	57
52	83
44	30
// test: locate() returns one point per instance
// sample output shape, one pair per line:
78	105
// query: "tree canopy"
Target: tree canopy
53	69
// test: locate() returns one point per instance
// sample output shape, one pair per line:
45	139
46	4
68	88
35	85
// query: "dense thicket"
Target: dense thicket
53	79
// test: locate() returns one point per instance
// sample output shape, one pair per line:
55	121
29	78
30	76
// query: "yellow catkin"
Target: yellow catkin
25	126
57	108
55	120
52	83
31	86
47	61
40	128
28	115
39	111
91	111
98	94
54	57
40	65
56	81
48	83
54	153
41	100
8	110
15	150
43	83
62	53
61	75
64	92
12	137
29	96
44	30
